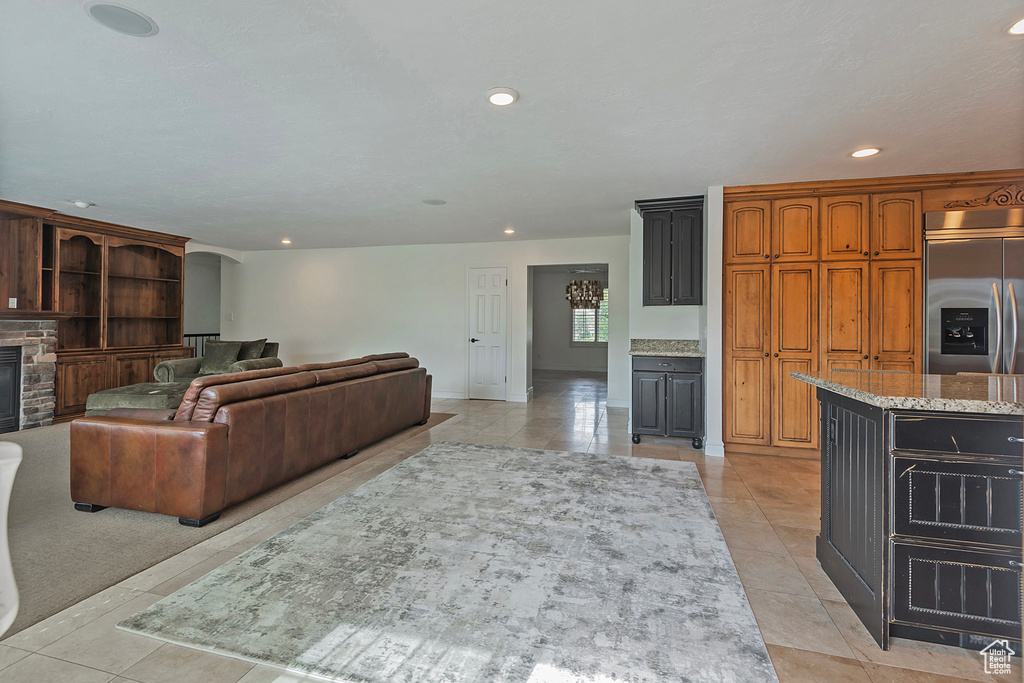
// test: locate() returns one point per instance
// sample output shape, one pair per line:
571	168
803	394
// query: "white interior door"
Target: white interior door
488	320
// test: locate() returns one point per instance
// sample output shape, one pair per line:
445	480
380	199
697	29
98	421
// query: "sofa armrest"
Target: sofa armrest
172	467
255	364
167	370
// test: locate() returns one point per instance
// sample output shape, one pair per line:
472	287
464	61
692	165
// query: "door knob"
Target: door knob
474	340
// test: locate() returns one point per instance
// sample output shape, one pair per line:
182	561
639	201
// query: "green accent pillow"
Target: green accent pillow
250	349
218	357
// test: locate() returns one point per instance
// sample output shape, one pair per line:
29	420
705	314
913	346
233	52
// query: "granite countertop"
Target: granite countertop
955	393
681	348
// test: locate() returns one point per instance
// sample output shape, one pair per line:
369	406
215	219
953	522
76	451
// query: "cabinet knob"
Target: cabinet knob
876	253
767	255
865	253
766	355
865	357
776	355
776	256
876	357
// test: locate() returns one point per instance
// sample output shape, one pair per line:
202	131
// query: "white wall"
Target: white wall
202	294
324	304
654	322
552	332
714	211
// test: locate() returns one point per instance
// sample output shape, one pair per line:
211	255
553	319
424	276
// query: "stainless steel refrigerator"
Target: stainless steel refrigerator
974	294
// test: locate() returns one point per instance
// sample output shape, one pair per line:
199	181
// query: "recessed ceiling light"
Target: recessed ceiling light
286	241
1017	29
435	202
866	152
80	203
509	231
121	19
502	97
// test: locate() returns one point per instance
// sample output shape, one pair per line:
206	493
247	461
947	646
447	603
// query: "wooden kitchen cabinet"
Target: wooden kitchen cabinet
896	303
794	314
747	336
845	315
794	229
747	236
896	226
845	228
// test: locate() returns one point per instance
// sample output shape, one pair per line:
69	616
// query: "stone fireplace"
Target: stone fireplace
38	342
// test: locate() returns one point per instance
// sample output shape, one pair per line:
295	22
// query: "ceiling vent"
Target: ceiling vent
121	19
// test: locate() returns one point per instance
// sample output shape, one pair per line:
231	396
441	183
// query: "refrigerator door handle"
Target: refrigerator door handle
1012	364
999	327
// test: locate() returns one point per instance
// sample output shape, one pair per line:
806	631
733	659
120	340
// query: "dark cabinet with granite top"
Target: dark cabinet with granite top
668	398
921	520
673	251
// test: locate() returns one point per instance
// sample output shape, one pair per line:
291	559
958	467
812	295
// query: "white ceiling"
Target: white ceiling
329	121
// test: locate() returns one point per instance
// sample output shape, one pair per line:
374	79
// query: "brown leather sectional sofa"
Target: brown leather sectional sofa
237	435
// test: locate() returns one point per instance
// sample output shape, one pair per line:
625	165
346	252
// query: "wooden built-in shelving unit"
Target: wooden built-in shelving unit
115	291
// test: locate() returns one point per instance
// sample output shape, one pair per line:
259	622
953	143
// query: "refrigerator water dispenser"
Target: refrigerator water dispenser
965	331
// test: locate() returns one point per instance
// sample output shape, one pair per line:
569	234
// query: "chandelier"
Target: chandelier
584	294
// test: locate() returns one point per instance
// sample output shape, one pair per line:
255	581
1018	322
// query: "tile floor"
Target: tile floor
767	508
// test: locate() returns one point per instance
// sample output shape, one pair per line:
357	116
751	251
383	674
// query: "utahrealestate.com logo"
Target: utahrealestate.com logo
997	657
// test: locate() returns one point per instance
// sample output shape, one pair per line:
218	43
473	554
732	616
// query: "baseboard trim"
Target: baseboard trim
617	403
782	451
448	394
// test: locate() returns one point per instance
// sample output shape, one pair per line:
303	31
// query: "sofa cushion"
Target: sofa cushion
385	356
188	403
251	349
214	397
396	364
218	356
332	375
327	365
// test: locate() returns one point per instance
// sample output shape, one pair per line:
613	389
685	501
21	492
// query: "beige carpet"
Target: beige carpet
62	556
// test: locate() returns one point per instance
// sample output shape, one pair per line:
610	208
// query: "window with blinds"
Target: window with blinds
590	326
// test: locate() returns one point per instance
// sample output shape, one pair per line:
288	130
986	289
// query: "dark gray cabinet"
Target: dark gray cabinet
668	398
673	251
921	520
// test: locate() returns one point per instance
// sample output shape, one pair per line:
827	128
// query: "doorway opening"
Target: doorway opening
567	347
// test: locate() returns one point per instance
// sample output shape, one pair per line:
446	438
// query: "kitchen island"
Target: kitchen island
921	502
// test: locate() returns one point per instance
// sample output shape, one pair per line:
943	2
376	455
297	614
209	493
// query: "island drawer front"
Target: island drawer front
957	501
667	364
959	590
958	433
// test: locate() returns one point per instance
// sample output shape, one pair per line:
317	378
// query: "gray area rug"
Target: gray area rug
62	556
487	563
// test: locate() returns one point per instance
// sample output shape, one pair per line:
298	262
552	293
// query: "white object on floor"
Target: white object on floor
10	458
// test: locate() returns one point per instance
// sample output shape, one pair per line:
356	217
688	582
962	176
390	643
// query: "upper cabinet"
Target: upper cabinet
845	233
673	251
795	229
748	231
896	229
